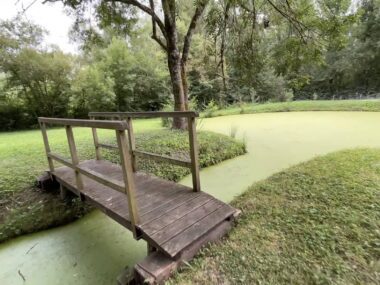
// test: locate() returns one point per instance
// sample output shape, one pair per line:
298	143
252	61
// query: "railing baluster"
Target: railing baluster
132	143
126	165
194	153
96	142
74	155
47	146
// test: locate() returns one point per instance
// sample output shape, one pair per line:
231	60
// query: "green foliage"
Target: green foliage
210	109
314	223
92	90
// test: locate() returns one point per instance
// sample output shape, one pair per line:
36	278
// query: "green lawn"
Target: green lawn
24	208
317	105
314	223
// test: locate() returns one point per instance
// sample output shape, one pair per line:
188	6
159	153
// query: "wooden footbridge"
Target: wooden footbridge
175	220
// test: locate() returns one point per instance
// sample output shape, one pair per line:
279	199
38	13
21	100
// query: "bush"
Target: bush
14	117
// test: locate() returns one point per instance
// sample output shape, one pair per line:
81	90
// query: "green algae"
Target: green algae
94	250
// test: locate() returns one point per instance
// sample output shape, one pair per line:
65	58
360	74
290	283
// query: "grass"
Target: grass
25	209
314	223
317	105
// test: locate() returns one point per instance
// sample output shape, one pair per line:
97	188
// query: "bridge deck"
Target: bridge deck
172	216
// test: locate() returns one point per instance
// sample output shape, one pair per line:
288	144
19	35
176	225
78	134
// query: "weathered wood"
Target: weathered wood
149	114
157	267
132	143
47	146
74	155
170	204
179	225
128	179
197	230
165	209
163	158
47	182
108	146
162	222
98	177
96	142
101	124
194	154
60	159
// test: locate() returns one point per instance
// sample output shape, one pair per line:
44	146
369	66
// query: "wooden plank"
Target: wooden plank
108	146
60	159
186	221
103	179
74	155
47	146
101	124
96	142
157	191
97	176
165	220
168	206
132	143
197	230
194	154
149	114
128	179
163	158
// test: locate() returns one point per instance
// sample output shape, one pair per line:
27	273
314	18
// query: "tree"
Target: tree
37	77
165	33
92	90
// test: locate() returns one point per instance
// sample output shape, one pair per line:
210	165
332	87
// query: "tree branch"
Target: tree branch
154	28
147	10
296	24
190	31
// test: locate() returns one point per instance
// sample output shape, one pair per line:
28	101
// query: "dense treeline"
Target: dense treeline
241	51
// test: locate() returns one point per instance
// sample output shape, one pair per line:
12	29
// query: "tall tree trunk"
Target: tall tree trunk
185	85
177	86
174	61
186	49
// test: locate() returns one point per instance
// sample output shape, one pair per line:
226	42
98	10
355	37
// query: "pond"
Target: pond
95	249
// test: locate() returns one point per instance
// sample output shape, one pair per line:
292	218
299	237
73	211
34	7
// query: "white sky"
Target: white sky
50	16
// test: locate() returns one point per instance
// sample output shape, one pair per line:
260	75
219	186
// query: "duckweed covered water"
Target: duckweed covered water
95	249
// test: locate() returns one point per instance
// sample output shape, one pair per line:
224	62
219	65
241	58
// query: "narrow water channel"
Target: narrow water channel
95	249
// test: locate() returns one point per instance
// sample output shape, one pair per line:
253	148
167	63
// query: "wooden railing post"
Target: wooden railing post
74	155
194	153
96	142
47	146
126	165
132	143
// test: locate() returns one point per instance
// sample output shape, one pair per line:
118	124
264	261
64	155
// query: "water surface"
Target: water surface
95	249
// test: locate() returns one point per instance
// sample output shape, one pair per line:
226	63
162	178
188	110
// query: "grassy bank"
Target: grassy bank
314	223
328	105
25	209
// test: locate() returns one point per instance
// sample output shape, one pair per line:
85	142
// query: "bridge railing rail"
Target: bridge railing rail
191	116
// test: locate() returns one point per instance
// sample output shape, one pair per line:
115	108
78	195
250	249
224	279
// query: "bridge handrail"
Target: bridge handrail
193	163
119	126
101	124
